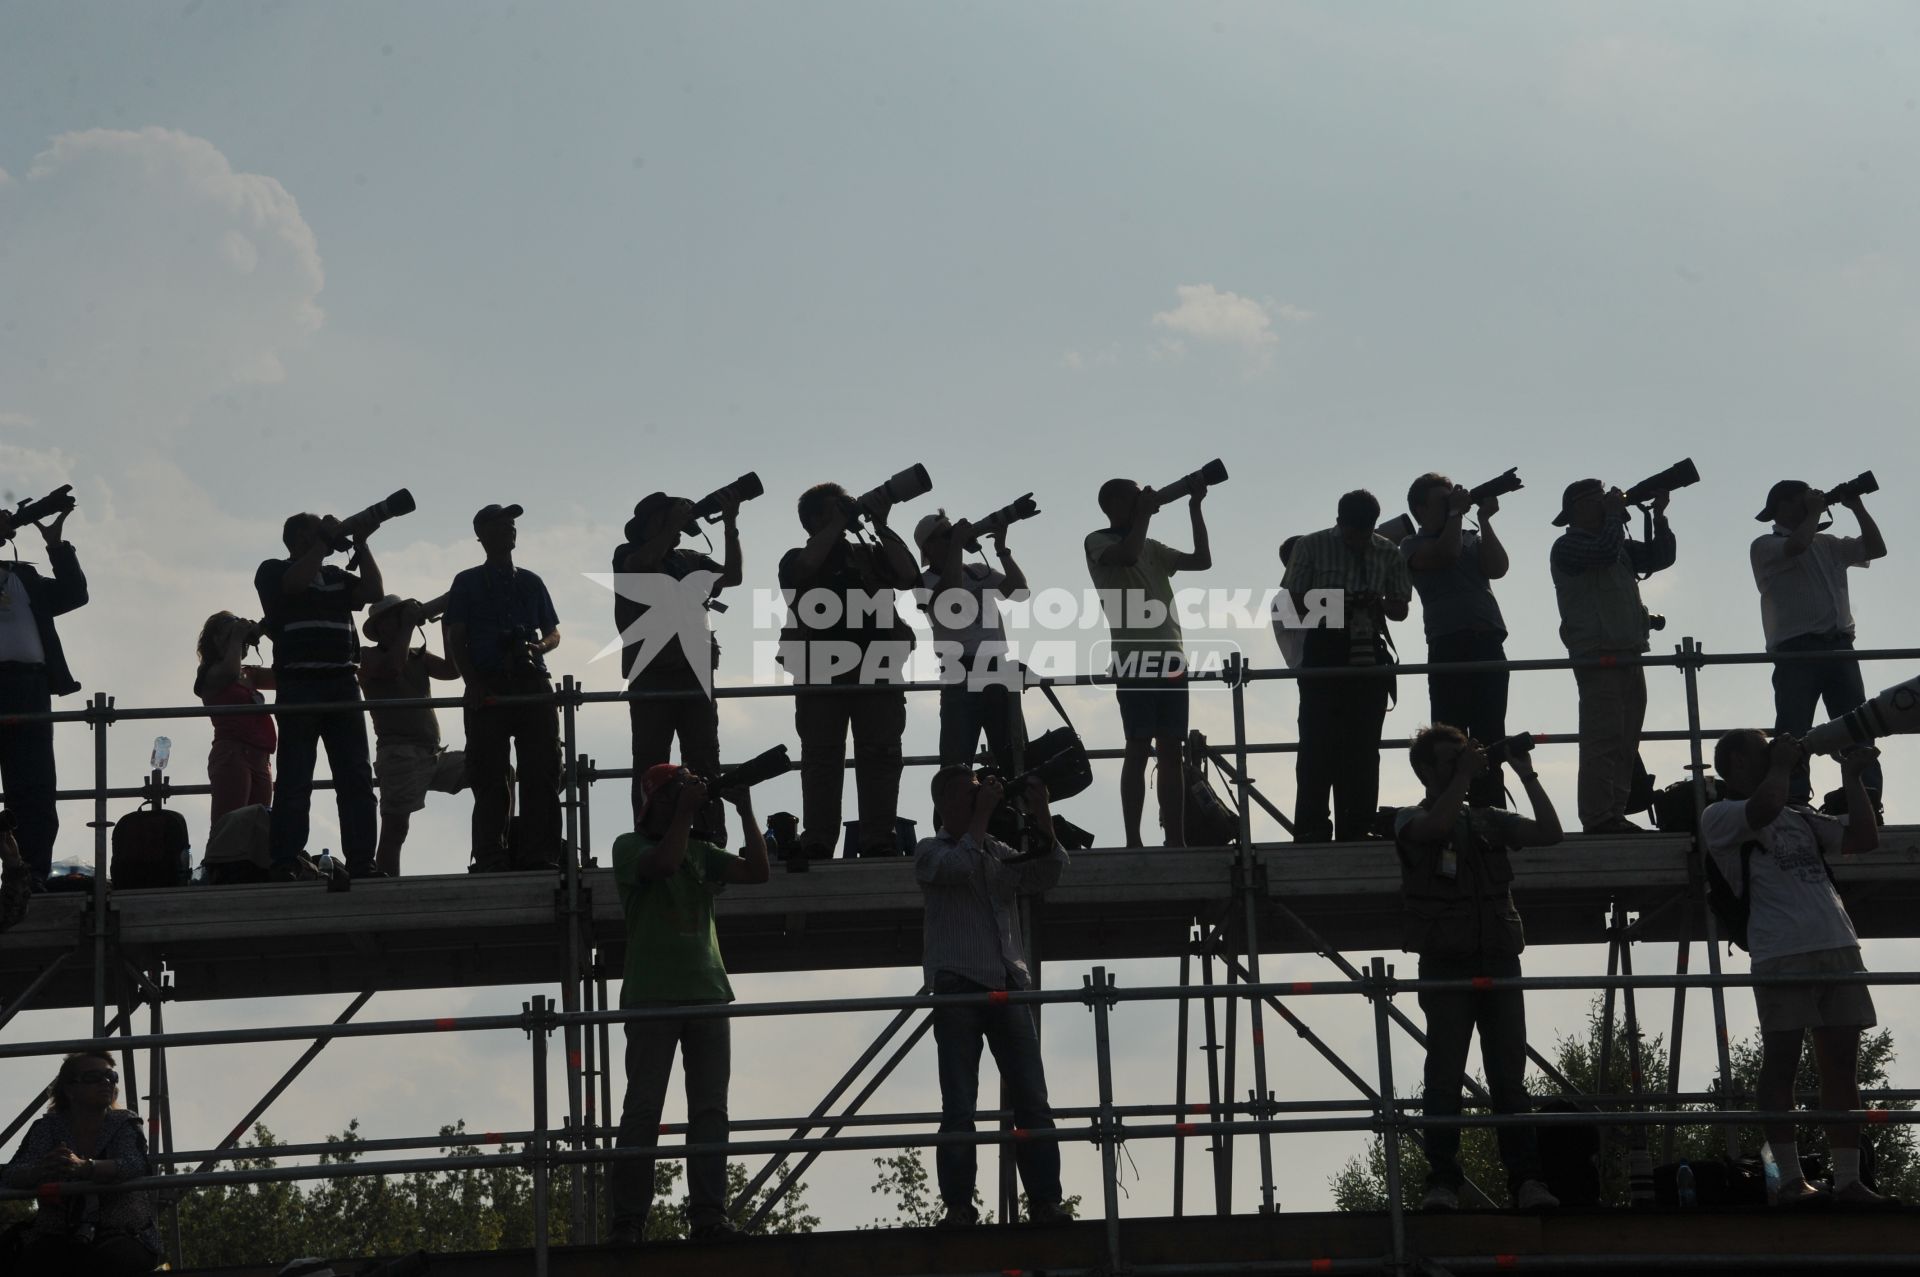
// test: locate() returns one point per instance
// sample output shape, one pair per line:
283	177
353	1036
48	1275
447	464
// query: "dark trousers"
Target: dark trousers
994	709
114	1256
1501	1017
1340	721
706	1057
878	720
498	738
1474	703
1800	686
695	719
26	765
345	735
1008	1032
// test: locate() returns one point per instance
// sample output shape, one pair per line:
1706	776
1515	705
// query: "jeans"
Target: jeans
1009	1034
532	734
1799	686
1613	706
878	720
345	735
706	1055
965	713
696	720
1475	703
1502	1020
26	765
1340	722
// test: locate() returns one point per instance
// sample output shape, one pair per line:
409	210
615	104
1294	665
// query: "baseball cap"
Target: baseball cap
494	513
656	776
1575	490
1785	490
923	531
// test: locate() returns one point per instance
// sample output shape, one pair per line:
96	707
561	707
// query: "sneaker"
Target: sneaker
959	1217
300	869
1533	1195
721	1230
1440	1198
1615	825
1800	1193
1047	1213
1858	1194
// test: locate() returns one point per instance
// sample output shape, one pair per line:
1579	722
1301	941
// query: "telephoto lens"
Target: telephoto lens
912	482
1498	486
1681	474
399	503
1213	472
1858	486
743	489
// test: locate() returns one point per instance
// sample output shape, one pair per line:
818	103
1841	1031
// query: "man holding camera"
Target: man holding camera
1133	574
972	943
1460	919
1596	568
1773	852
33	670
307	606
499	627
1801	571
1341	718
847	631
653	546
408	756
1452	568
979	691
668	879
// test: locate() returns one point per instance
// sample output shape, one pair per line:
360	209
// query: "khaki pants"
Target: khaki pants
1613	705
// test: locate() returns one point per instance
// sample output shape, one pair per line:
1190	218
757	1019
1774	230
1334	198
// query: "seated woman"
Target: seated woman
240	765
86	1136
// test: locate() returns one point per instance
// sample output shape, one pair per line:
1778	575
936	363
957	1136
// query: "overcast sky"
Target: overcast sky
264	258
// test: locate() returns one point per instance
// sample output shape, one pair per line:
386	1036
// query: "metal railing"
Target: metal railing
585	1030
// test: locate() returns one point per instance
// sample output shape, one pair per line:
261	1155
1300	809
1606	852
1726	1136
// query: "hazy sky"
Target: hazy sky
263	258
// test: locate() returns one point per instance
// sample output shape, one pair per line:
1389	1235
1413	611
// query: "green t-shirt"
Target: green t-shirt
1149	581
673	952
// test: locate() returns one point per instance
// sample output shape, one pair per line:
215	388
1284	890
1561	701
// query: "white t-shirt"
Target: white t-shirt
1793	907
19	636
968	617
1806	593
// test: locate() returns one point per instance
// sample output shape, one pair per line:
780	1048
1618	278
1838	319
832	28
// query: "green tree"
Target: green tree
902	1179
1360	1184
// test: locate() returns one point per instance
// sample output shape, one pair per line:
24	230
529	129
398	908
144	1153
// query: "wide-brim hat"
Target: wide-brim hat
924	530
1575	491
378	610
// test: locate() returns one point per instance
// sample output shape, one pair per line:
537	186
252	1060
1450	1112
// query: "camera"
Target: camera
761	767
59	501
1498	486
1213	472
1682	473
745	488
1858	486
997	522
1505	751
427	613
369	519
516	643
912	482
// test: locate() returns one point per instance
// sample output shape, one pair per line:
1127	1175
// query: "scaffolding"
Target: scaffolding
1228	937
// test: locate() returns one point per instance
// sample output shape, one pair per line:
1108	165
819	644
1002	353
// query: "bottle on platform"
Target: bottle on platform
162	750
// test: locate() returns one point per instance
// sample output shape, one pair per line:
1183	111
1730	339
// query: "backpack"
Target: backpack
1731	908
240	846
1059	754
150	849
1209	821
1673	810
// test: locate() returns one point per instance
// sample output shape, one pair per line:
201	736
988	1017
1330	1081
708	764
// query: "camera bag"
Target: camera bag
150	848
1209	821
1061	753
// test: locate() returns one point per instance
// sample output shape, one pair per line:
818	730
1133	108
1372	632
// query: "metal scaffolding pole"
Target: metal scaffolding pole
1216	1145
1389	1114
287	1079
1616	937
1098	985
576	968
1690	652
39	982
1180	1089
100	717
1639	1161
538	1012
1247	874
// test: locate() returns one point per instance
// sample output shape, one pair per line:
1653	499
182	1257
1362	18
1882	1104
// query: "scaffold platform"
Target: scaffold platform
1649	1244
449	931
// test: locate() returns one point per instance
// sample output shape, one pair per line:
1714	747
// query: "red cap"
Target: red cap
657	775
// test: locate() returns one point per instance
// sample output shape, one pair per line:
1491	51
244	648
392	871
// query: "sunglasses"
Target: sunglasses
93	1077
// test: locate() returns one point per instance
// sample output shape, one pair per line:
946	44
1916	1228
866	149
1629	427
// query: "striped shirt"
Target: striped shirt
312	631
972	925
1324	561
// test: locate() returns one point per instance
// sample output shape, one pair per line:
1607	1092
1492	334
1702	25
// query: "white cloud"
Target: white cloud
1209	316
141	274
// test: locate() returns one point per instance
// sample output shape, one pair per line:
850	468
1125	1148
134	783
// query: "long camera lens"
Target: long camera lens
912	482
1025	508
1498	486
59	501
1858	486
1213	472
761	767
1680	474
745	488
1502	751
401	502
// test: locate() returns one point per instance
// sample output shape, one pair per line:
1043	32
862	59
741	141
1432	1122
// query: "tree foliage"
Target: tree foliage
902	1180
1360	1185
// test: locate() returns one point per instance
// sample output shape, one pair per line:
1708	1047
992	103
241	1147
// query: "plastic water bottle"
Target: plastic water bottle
1771	1170
162	750
1683	1187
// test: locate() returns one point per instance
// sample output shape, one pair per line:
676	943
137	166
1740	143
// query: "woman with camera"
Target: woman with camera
85	1138
240	764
